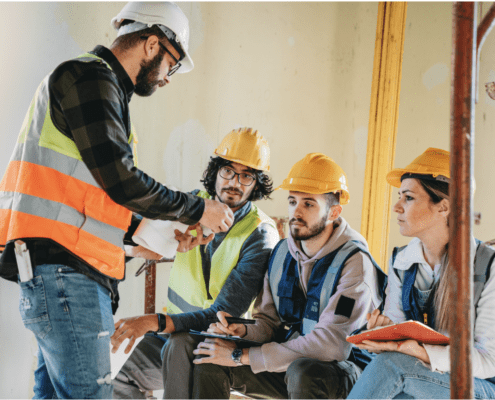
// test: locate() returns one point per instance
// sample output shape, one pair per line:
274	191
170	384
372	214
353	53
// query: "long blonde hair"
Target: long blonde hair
437	191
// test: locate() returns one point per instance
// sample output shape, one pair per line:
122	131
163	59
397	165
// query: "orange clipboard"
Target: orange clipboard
403	331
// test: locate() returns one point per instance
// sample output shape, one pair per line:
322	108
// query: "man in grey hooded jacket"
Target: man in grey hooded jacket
320	285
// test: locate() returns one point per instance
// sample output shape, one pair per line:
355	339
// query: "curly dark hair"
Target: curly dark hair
262	190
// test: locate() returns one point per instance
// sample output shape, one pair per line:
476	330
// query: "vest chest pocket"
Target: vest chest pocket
32	306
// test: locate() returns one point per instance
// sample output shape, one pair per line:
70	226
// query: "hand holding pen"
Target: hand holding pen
234	328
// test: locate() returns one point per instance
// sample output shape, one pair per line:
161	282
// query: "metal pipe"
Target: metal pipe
150	289
461	167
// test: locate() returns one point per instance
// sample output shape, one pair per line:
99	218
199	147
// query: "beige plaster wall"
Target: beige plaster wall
298	72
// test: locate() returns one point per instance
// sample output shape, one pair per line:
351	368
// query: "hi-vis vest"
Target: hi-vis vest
48	192
187	288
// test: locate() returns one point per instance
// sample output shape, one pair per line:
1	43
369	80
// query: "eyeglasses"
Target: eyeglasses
244	179
177	64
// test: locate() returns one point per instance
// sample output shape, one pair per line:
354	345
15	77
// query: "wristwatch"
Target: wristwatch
162	322
236	356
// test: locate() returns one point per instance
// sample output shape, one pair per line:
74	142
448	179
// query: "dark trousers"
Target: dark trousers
306	378
145	369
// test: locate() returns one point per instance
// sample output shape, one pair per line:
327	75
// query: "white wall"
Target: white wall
300	73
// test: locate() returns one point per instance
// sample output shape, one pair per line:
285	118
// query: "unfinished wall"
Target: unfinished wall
298	72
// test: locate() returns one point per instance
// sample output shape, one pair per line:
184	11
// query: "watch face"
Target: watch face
236	356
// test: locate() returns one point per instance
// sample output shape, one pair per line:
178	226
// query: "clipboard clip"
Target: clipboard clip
144	267
148	263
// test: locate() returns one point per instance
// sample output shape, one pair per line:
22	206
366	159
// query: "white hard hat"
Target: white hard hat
164	14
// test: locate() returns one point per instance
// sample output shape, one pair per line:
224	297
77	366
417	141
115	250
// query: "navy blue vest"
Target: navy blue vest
301	313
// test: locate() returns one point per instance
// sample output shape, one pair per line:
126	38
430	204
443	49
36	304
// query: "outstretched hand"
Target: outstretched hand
132	329
188	242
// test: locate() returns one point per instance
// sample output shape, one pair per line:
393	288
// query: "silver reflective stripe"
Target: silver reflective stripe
52	159
308	325
61	213
277	269
180	303
6	200
337	262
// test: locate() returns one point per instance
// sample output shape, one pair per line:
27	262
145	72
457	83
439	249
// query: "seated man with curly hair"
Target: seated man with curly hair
225	274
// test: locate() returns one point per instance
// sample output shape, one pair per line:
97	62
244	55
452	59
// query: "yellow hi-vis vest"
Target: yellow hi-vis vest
187	287
48	192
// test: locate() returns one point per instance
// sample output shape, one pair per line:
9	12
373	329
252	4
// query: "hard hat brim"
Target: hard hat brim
393	177
247	164
344	196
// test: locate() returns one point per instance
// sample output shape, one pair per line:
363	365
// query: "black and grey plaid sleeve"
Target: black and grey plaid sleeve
93	111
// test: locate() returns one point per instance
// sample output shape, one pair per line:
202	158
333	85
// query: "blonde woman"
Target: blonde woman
417	290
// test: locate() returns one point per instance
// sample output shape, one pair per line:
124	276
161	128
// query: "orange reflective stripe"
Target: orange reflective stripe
4	225
48	183
111	259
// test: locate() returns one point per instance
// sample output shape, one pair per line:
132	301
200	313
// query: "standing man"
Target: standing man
224	275
71	187
321	283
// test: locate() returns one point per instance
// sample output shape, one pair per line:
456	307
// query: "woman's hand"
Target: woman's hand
376	319
409	347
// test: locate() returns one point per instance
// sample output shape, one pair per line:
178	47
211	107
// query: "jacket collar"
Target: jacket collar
109	57
413	254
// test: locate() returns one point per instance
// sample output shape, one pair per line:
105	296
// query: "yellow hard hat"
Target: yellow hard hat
246	147
317	174
434	162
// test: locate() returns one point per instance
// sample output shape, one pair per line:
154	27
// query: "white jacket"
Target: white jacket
483	356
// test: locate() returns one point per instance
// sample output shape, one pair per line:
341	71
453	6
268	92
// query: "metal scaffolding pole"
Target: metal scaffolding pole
462	155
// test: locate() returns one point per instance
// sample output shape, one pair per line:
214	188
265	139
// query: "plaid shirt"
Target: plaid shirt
89	103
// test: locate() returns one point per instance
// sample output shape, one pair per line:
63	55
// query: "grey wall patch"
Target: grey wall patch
345	306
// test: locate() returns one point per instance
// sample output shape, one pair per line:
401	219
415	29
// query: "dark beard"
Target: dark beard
313	231
232	203
147	79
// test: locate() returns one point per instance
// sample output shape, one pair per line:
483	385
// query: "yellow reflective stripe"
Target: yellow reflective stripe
134	139
26	124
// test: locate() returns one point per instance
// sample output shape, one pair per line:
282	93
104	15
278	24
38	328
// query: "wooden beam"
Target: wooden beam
382	130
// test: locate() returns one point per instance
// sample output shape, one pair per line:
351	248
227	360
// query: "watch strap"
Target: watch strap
162	322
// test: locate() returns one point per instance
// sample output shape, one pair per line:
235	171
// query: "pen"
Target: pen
234	320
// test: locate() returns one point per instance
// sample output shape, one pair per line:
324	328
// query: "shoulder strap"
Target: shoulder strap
482	262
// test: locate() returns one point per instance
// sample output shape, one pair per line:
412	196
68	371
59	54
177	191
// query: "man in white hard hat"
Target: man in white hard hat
225	275
72	186
321	283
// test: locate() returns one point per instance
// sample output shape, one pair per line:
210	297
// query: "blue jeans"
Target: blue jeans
394	375
71	318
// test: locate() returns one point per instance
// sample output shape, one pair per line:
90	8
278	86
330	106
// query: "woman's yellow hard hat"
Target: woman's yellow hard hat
317	173
433	162
246	147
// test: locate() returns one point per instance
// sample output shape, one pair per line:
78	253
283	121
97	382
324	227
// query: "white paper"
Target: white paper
159	236
118	359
